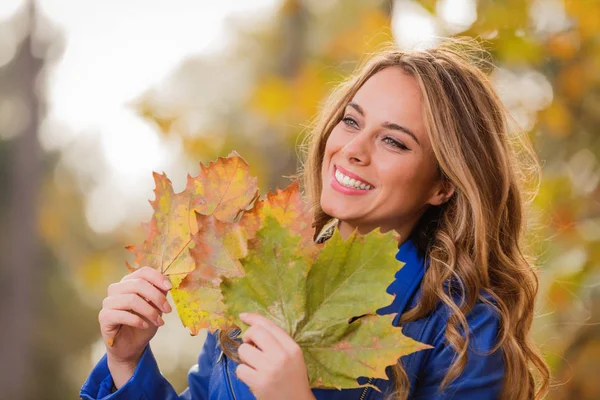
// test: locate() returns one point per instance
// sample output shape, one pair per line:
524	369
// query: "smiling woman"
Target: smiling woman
416	143
430	135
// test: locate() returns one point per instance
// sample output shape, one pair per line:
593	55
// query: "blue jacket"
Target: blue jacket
214	378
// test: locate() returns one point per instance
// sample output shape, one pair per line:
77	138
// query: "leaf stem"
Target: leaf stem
111	341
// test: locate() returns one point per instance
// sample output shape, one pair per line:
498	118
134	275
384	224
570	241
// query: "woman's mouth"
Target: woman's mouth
350	182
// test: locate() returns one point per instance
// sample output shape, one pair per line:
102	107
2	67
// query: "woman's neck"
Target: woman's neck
346	229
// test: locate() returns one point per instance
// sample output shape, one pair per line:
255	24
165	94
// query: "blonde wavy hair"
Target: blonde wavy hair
474	241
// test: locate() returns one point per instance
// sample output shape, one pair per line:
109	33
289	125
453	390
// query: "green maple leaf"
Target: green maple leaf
313	295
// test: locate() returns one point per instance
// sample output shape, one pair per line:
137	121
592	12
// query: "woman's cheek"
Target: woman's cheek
336	140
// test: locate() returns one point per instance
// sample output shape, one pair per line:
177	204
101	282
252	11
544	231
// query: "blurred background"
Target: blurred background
95	95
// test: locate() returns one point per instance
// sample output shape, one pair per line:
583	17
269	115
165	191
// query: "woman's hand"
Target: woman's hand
273	366
133	308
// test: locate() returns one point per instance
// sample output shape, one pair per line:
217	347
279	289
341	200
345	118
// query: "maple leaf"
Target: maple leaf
275	281
222	189
219	246
288	208
313	295
365	347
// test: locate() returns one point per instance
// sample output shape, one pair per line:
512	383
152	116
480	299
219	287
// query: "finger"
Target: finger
279	334
111	319
142	288
151	275
252	356
133	302
263	339
247	375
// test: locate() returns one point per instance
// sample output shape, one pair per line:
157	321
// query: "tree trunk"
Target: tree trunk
19	233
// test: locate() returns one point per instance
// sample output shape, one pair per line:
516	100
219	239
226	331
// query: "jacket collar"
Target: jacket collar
407	282
408	277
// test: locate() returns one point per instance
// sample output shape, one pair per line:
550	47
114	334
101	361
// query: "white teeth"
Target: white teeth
350	182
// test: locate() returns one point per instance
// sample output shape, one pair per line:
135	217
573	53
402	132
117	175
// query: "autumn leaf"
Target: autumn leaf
218	247
313	295
222	189
288	208
275	281
364	348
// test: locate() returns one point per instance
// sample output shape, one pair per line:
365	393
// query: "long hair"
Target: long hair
474	241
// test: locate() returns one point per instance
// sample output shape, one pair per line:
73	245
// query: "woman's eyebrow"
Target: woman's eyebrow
388	125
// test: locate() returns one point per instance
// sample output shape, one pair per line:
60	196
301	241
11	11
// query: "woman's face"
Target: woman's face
379	169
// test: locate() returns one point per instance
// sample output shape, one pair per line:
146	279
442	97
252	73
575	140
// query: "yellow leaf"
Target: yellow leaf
222	189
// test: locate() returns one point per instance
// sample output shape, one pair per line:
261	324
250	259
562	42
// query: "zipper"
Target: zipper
364	393
229	378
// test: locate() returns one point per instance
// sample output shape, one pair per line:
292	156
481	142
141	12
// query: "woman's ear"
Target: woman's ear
443	191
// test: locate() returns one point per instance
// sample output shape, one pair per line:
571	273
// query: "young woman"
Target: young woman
415	142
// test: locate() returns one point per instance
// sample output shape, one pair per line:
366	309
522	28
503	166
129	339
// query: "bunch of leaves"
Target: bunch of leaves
227	252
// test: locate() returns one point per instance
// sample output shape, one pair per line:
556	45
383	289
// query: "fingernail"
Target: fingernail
243	315
144	325
160	321
167	285
167	307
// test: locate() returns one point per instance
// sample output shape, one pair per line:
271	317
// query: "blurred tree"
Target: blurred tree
20	246
41	324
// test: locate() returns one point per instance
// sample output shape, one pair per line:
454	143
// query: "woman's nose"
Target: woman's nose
358	150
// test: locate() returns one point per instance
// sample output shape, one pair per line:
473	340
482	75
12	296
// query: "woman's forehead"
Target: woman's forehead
391	84
391	95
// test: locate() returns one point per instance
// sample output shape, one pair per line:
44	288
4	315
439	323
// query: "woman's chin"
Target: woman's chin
342	215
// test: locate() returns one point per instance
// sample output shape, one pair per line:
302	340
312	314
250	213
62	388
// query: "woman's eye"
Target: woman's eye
395	143
350	122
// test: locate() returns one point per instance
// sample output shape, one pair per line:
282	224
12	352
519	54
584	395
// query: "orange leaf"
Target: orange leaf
288	208
222	189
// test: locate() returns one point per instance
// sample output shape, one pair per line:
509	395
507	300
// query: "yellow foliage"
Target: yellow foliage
563	46
310	89
519	49
163	117
587	16
571	81
372	31
557	119
94	271
290	6
205	145
592	66
272	97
